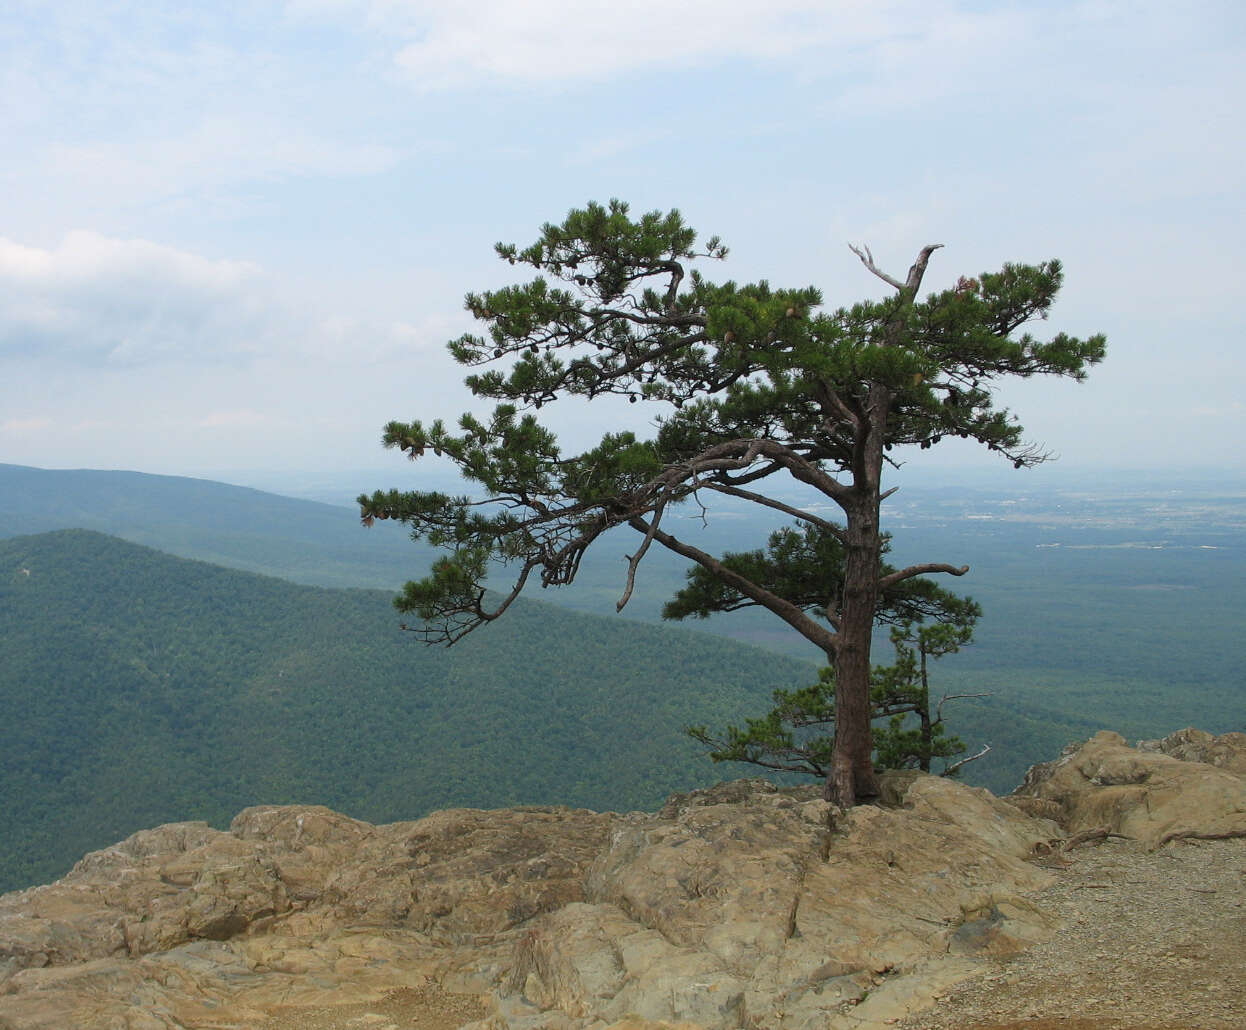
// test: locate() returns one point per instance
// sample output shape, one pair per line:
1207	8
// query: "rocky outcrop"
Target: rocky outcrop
778	911
1227	751
1190	784
740	905
190	926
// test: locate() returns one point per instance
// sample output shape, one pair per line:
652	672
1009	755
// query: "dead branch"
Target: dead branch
915	273
919	268
1096	836
965	761
1196	835
633	562
920	570
867	259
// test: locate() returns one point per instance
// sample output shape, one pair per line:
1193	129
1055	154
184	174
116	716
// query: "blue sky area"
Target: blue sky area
235	238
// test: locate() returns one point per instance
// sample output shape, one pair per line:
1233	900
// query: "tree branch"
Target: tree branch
919	268
965	761
633	561
748	495
1197	835
451	632
672	291
599	314
790	613
832	400
953	697
1092	836
920	570
748	477
732	455
867	259
832	615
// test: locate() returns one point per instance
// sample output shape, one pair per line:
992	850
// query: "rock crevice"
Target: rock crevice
741	905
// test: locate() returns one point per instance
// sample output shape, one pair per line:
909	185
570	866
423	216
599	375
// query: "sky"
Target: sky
234	238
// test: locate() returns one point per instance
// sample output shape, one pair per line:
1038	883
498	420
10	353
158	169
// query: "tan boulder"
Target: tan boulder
1153	793
295	905
1227	751
750	905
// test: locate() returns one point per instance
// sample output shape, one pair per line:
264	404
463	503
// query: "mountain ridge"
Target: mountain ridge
155	688
1071	639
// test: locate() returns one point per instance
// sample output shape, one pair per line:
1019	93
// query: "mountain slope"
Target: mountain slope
150	688
1111	606
304	541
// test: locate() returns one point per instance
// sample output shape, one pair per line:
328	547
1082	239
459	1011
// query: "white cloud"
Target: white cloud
943	50
105	110
126	301
553	41
123	303
87	257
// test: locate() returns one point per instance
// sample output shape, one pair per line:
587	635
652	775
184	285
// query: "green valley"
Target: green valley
142	688
148	689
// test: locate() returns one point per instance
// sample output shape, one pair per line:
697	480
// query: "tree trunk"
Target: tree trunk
927	737
924	712
851	778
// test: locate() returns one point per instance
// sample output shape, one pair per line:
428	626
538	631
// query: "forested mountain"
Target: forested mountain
141	688
303	541
1119	609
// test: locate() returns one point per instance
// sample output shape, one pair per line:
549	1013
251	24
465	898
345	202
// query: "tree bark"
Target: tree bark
851	778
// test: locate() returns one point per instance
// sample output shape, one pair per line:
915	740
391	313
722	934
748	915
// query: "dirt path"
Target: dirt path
1151	941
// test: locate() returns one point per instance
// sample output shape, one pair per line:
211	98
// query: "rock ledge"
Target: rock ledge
740	905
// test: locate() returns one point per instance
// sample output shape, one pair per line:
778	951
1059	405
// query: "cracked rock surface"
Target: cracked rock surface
740	905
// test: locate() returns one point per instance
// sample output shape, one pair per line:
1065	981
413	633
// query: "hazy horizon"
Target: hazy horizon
341	488
236	239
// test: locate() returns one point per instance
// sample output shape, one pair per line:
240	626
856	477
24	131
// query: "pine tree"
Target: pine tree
762	388
794	736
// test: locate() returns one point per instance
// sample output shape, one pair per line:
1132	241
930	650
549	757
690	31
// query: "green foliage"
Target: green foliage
790	738
914	747
760	382
794	736
904	688
805	566
145	689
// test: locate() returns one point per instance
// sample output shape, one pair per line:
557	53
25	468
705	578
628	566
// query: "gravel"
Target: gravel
1149	941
